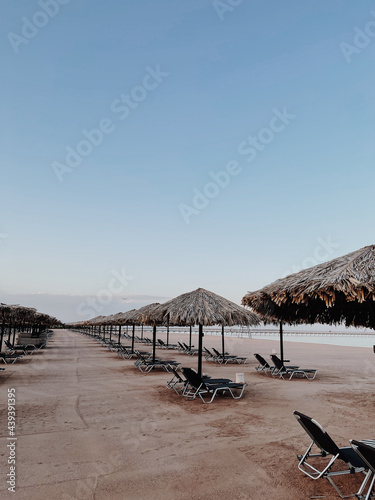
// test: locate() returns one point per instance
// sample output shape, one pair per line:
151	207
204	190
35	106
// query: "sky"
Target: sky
150	148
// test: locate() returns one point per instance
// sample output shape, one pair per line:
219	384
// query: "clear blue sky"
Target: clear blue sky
181	89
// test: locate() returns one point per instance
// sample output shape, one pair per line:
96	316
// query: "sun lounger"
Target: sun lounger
146	365
181	347
328	448
200	386
189	350
10	358
208	355
26	348
366	451
263	365
126	352
228	358
163	345
281	370
177	382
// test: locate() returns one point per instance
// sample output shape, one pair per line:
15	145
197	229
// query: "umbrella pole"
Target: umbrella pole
222	340
281	342
190	339
119	334
142	332
110	333
200	348
133	338
168	335
153	343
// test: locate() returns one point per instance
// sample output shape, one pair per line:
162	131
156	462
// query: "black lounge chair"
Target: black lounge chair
146	365
189	350
163	345
26	348
228	358
177	382
10	358
263	365
200	386
281	370
366	451
208	355
126	353
328	448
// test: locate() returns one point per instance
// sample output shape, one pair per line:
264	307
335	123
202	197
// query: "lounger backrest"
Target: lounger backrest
192	377
176	374
320	437
140	356
277	362
261	360
366	451
216	351
8	344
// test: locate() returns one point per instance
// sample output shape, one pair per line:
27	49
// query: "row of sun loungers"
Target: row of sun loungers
16	352
279	369
143	361
359	457
221	358
188	383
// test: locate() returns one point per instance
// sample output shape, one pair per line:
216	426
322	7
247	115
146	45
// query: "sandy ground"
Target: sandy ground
91	426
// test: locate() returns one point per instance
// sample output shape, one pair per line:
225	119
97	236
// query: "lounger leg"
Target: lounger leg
360	494
210	401
238	397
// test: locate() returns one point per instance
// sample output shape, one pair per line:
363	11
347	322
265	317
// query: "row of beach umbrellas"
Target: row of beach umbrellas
335	292
14	317
197	308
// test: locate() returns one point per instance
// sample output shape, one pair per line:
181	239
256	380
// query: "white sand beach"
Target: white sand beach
91	426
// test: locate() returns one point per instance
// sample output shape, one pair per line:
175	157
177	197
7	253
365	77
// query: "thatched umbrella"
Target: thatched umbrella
118	320
202	308
136	318
339	291
123	319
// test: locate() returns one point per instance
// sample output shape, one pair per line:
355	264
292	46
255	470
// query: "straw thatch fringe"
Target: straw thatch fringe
26	315
135	317
200	307
341	290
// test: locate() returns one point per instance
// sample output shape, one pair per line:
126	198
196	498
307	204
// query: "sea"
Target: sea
314	334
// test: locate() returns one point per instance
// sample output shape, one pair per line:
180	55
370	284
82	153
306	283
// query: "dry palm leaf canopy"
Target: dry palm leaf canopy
200	307
339	291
